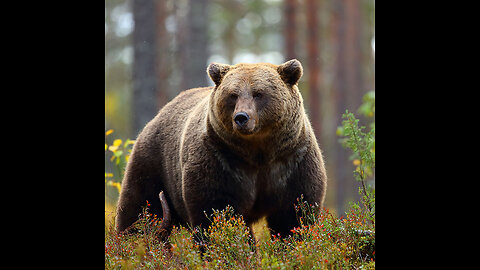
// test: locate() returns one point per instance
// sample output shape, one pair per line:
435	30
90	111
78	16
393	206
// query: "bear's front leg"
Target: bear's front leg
205	189
282	222
201	202
200	199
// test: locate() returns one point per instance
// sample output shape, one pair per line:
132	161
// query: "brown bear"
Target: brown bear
246	142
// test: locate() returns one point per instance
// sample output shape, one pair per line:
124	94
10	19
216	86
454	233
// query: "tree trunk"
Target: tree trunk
290	28
194	74
144	75
314	66
353	50
161	60
340	155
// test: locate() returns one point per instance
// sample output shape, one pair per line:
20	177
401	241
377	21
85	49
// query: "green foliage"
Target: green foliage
362	144
368	106
185	250
229	241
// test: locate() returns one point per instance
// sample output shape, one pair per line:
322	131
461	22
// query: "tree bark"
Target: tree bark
314	66
290	28
161	60
194	74
339	93
144	75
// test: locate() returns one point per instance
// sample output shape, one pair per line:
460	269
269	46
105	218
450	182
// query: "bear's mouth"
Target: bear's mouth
248	129
243	131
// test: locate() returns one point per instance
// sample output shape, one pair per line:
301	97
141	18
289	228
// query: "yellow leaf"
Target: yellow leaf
356	162
106	147
115	184
113	148
128	142
117	142
108	174
110	131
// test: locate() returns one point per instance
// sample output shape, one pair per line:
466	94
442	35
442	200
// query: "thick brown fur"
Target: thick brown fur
194	151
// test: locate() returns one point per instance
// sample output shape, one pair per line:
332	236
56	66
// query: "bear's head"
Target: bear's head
254	100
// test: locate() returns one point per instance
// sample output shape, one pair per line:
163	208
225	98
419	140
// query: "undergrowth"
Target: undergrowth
322	241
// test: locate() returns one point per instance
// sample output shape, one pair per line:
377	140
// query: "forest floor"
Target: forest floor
322	241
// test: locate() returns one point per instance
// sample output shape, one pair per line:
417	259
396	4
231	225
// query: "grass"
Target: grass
322	241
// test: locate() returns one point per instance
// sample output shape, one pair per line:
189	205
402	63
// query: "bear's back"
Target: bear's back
169	121
178	109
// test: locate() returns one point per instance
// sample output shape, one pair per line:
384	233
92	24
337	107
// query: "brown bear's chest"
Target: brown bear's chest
262	187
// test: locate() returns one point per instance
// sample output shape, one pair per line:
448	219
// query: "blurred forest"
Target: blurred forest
155	49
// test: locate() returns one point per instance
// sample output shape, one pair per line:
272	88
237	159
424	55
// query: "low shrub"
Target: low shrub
321	241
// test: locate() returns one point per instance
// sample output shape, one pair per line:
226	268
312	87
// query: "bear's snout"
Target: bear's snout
244	117
241	119
244	122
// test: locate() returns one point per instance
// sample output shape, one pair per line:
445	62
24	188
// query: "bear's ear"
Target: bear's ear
216	72
290	71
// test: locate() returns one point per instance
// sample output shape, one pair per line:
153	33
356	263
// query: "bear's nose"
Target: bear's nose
241	118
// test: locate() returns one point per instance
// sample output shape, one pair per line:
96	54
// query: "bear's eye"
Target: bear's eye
257	95
233	96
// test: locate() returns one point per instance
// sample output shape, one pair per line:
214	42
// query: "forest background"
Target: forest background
156	49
